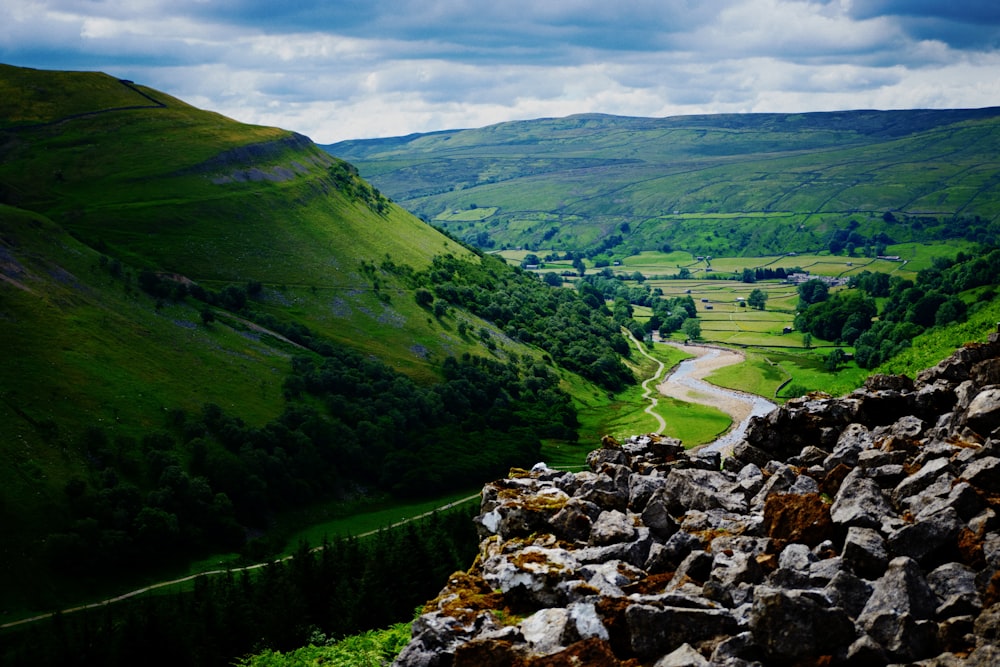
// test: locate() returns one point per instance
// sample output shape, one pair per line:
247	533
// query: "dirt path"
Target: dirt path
647	391
256	566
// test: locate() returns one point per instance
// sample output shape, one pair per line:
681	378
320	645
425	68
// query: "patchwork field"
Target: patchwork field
779	365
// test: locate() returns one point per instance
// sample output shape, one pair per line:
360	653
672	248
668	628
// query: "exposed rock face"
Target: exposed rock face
854	530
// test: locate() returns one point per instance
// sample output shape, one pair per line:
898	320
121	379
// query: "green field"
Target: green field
623	414
133	184
727	185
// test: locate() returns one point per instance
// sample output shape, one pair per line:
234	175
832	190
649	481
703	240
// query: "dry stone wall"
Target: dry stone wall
859	530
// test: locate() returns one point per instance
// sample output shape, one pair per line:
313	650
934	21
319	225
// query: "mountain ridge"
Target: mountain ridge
757	183
209	324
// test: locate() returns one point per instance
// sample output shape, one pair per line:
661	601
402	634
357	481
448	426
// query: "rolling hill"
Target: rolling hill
743	184
205	324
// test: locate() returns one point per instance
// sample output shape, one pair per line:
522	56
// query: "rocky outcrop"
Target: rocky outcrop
859	530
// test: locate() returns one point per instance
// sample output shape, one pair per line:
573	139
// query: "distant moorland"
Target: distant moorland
724	185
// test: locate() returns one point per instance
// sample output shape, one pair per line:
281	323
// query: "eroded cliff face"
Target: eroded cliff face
857	530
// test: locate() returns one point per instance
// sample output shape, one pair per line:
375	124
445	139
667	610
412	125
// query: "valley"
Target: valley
224	345
725	185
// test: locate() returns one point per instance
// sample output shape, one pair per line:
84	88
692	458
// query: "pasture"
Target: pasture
779	364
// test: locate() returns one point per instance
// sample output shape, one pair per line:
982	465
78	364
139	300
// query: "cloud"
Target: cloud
350	69
961	24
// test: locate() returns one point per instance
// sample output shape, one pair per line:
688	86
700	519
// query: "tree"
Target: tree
807	340
834	360
207	316
424	298
749	276
757	299
952	310
692	328
553	279
813	291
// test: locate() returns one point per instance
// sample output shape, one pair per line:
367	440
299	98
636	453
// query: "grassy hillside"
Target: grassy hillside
751	184
206	324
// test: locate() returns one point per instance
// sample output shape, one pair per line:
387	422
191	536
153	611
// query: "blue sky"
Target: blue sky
347	69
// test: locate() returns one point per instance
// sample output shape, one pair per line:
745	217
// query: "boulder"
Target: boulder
701	490
927	534
612	527
792	624
655	631
983	413
954	584
865	552
683	656
897	613
859	502
544	630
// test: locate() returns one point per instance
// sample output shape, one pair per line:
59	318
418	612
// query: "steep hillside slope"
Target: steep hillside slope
724	185
206	324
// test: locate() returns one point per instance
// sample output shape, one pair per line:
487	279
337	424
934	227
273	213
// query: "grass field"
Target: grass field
731	185
776	355
624	414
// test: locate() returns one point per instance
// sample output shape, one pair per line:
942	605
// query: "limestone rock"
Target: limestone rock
859	503
790	624
862	530
655	631
865	552
983	413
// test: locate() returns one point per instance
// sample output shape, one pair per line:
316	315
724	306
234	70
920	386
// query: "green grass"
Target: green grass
466	215
758	374
807	372
25	100
567	455
355	520
929	348
691	423
374	648
623	414
761	184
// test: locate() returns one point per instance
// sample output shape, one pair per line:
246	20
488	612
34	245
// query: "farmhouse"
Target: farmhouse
798	278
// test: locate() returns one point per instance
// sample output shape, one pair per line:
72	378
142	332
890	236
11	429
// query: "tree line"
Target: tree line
669	313
346	586
909	307
350	422
576	333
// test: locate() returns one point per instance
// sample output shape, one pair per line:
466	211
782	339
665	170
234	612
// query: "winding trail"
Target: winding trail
647	392
208	573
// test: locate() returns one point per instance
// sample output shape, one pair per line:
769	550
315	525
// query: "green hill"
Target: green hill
207	325
743	184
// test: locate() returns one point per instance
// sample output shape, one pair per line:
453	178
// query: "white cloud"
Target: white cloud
353	68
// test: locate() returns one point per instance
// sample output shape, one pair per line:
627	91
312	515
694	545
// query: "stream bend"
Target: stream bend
686	382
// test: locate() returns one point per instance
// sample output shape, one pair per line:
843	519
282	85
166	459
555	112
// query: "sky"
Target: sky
351	69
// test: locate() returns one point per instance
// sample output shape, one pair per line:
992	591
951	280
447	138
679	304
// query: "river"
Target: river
687	383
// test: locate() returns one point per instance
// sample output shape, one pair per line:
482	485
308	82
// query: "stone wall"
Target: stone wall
858	530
